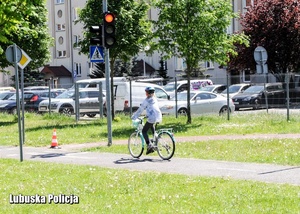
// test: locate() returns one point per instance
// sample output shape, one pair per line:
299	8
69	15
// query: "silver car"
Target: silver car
65	102
235	89
201	102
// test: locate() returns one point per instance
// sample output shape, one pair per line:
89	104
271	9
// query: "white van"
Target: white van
121	90
182	85
122	95
93	83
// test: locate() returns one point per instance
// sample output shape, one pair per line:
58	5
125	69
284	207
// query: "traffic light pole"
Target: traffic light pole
108	91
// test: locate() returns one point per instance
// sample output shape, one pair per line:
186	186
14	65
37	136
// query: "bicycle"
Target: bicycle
163	141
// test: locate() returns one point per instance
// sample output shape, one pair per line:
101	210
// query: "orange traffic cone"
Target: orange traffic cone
54	143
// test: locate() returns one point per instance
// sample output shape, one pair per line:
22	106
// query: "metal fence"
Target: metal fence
285	98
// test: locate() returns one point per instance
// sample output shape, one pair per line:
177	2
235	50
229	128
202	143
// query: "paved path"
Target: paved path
244	171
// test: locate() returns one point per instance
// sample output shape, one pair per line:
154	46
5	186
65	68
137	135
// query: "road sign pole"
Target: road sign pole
227	83
23	110
18	57
18	101
287	80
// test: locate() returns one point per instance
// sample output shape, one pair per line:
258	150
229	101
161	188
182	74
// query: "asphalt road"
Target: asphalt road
71	154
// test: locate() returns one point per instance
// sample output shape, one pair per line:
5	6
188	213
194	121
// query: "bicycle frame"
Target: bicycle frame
163	141
155	134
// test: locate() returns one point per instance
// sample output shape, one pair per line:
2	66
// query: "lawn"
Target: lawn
272	151
102	190
39	128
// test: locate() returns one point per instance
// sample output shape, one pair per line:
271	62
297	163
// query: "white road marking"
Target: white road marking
235	169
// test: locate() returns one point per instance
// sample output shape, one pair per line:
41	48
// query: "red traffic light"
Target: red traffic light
109	17
109	28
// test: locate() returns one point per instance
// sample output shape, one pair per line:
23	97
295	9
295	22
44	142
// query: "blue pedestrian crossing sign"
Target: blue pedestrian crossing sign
96	54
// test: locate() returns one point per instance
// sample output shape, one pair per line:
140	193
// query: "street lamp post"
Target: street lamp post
144	64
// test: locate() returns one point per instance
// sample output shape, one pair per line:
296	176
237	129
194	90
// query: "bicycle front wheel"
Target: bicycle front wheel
135	144
165	145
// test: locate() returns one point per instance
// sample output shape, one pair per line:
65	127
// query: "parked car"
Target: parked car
235	89
9	105
53	92
33	98
94	83
31	101
183	86
4	95
218	88
201	102
7	89
34	88
255	96
65	102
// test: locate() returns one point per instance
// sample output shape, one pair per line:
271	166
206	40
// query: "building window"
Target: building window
59	13
60	27
59	1
61	54
209	65
61	40
183	65
229	29
76	41
246	75
75	13
244	6
77	67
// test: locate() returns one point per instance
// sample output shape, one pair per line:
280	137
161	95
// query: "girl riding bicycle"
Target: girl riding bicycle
153	114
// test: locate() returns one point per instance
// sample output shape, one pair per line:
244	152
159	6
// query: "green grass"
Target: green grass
273	151
103	190
39	128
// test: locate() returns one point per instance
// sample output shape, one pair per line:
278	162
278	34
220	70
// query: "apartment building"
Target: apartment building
67	65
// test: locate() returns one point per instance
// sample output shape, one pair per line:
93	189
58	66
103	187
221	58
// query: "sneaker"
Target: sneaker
150	149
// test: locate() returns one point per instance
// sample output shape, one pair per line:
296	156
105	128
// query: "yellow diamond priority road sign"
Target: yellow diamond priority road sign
24	60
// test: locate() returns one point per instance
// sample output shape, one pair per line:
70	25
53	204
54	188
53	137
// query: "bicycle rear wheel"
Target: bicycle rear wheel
165	145
135	144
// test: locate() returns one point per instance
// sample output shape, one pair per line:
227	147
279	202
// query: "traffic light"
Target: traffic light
96	31
163	65
109	29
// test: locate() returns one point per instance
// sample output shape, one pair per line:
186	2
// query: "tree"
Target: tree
275	25
195	30
12	18
33	77
136	68
133	29
122	68
33	39
99	71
